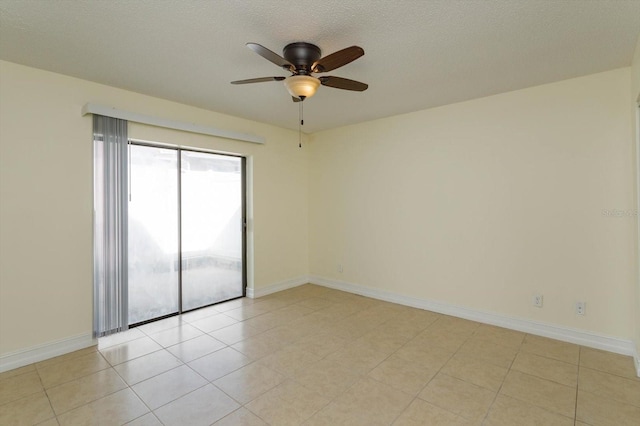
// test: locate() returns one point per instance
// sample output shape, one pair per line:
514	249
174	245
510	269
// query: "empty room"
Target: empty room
413	212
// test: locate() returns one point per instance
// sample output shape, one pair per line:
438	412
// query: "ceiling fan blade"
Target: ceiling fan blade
338	59
294	99
271	56
343	83
258	80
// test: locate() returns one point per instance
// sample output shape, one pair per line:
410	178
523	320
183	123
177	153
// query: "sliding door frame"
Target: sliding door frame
243	178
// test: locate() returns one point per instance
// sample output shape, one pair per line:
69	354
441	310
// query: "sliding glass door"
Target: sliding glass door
211	228
186	231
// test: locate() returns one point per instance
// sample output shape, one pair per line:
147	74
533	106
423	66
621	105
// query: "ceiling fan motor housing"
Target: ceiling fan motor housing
302	55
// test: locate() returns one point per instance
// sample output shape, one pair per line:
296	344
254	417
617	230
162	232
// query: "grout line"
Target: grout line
503	380
575	409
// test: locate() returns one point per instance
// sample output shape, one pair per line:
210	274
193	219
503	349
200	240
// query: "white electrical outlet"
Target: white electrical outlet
537	301
339	267
581	308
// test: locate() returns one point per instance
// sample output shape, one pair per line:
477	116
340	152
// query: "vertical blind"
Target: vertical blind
110	294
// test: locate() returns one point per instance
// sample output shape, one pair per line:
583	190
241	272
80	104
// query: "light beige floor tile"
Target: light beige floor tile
425	354
327	378
286	334
17	371
319	322
147	366
358	358
543	393
402	375
370	317
161	325
168	386
17	387
287	404
546	368
315	303
418	316
241	417
249	382
65	371
176	335
406	328
610	386
66	357
385	342
434	336
148	419
596	411
81	391
315	290
320	345
117	408
289	361
460	397
265	321
130	350
561	351
200	407
608	362
248	311
488	352
340	310
219	363
323	319
507	411
258	346
351	330
421	413
455	325
51	422
500	336
233	304
213	323
368	402
474	371
28	410
119	338
271	303
196	348
234	333
198	314
293	312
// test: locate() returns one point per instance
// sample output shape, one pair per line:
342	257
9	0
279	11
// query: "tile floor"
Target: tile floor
317	356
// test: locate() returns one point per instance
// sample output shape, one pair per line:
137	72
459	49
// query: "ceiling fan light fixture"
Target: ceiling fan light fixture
302	86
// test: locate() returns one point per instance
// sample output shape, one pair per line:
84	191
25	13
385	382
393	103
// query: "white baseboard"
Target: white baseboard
566	334
636	360
273	288
44	351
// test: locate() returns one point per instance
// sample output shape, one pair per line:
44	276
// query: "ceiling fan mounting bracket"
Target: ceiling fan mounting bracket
302	55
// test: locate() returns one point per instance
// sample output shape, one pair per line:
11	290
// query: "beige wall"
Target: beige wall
482	204
479	204
46	198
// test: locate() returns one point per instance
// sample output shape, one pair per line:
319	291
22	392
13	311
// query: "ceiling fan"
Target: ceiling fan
304	59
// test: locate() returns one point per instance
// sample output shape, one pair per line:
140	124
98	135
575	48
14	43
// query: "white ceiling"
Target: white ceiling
419	54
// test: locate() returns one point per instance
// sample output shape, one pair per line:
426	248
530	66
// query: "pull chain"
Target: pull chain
300	123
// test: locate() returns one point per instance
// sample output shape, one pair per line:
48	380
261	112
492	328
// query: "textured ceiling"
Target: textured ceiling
419	54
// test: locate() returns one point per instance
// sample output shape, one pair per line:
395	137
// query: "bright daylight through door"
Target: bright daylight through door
185	231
